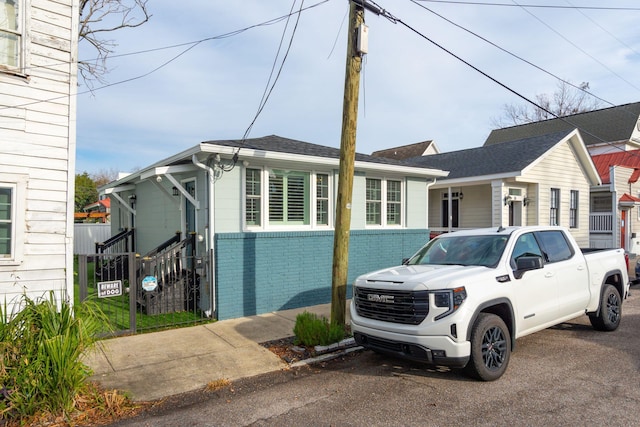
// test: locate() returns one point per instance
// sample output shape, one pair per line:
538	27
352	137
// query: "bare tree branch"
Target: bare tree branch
97	19
566	100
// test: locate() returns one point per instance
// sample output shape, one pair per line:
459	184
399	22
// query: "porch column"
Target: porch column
497	204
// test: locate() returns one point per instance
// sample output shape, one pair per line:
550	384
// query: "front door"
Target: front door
515	213
454	213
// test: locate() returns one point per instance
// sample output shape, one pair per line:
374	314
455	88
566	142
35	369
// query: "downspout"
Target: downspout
209	238
429	184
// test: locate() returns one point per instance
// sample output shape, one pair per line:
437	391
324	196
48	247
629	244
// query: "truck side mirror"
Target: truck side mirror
527	263
405	261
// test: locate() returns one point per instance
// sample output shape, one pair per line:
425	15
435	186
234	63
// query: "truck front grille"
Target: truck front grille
407	307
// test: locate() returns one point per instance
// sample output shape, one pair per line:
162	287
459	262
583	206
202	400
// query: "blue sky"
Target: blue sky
410	90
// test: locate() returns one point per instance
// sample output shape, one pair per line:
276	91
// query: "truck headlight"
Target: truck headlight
450	298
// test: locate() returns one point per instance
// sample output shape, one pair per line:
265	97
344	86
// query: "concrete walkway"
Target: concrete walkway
155	365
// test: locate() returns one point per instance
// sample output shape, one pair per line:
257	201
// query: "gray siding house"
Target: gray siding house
263	211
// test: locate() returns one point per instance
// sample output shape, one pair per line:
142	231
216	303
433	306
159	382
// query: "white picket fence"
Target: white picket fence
85	237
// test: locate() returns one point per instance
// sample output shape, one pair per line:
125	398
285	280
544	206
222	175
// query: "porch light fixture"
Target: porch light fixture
526	201
460	195
175	190
132	200
507	200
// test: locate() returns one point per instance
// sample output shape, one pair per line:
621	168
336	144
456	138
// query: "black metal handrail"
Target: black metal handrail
124	236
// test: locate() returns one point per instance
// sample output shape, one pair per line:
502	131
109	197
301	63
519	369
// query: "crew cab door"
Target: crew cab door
570	269
536	291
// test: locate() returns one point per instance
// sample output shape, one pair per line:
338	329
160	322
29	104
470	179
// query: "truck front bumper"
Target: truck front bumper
434	350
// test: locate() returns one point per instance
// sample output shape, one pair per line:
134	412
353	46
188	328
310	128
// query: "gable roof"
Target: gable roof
630	159
612	124
406	151
498	159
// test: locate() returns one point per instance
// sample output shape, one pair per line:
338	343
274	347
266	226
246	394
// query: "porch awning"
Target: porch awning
628	200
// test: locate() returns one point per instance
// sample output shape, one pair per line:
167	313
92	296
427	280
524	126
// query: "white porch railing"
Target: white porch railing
600	223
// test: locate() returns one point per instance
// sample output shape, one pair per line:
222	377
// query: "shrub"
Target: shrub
40	355
311	330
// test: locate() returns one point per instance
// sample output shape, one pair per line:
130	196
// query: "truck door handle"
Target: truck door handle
580	267
548	274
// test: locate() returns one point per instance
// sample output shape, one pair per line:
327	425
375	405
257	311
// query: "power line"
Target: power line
394	19
542	6
269	22
576	46
606	31
267	91
190	45
510	53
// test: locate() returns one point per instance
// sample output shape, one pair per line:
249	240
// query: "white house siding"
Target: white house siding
37	148
561	169
416	206
157	218
475	212
228	201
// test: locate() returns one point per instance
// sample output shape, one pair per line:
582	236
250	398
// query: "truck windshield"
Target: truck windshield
461	250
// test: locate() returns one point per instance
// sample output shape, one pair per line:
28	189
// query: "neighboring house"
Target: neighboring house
424	148
263	211
607	130
95	212
615	216
38	82
540	180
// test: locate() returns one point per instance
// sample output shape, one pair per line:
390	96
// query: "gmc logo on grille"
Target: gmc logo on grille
388	299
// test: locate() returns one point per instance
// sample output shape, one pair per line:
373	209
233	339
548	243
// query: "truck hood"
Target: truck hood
424	276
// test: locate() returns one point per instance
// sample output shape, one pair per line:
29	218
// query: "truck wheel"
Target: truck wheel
490	348
608	316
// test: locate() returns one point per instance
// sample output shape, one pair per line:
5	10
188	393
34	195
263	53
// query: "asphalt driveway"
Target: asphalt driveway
568	375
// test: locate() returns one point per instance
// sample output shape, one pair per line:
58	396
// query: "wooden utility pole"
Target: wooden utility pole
347	160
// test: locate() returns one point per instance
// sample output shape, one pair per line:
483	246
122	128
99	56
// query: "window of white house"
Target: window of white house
573	209
7	222
322	199
374	202
11	34
385	210
394	203
12	195
286	198
554	207
253	198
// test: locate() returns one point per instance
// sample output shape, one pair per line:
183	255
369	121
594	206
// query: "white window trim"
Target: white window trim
18	183
577	209
403	203
264	201
24	8
558	217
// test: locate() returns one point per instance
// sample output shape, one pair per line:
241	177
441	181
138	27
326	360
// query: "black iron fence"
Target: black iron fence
159	290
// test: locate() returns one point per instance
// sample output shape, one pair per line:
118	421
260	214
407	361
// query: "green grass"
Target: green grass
116	309
311	330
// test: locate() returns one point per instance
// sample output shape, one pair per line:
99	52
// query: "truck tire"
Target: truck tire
607	318
490	348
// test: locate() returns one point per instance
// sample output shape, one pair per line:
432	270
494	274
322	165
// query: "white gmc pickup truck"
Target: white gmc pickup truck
464	298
